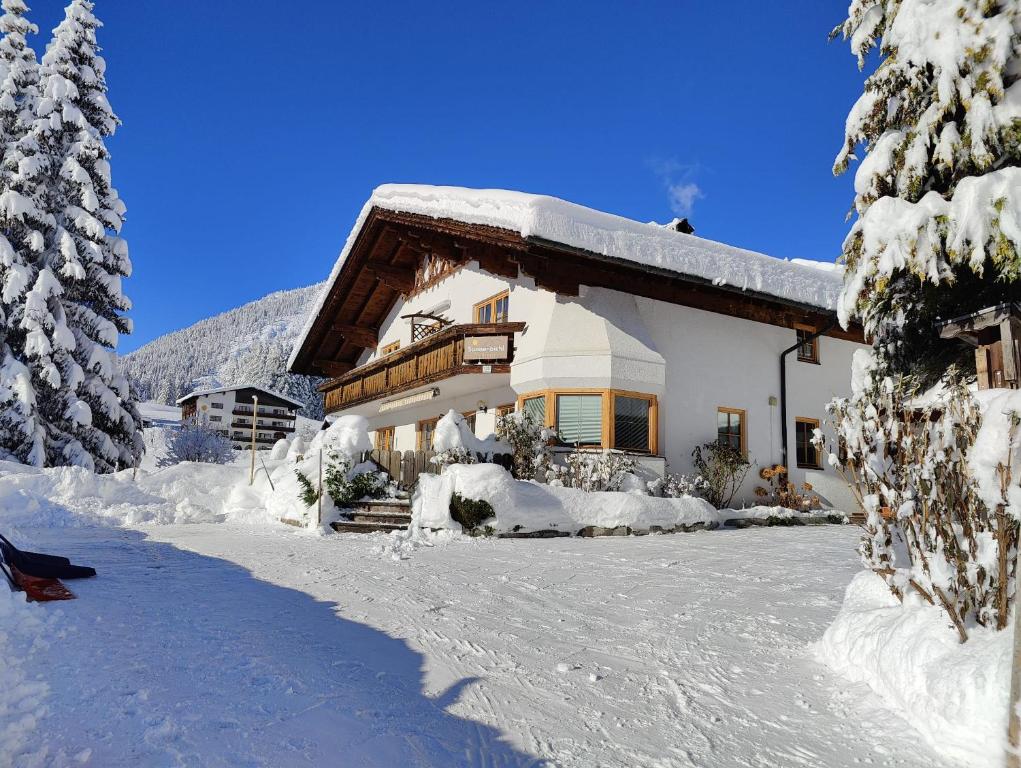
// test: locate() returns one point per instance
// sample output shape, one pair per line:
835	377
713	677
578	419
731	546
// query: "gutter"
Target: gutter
783	386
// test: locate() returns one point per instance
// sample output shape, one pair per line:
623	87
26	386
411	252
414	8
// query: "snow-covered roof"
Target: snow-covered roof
558	221
219	390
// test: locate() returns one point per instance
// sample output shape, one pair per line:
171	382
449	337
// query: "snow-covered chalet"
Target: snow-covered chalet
618	334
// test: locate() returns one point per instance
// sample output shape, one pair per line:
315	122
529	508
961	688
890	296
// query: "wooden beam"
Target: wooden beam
1010	336
398	278
333	368
359	335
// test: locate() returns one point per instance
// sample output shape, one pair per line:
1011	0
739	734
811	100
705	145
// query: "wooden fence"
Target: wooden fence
406	466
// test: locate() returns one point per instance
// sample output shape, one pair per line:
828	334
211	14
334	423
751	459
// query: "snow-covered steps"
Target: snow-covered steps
378	515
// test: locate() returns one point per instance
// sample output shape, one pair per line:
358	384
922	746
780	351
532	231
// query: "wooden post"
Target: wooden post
1013	719
319	512
255	423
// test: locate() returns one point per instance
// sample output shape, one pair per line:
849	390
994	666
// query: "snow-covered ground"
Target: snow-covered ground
227	645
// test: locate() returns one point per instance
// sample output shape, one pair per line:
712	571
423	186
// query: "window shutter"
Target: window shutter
580	419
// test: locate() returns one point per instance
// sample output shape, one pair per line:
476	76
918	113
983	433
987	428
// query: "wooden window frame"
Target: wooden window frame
491	302
419	432
380	431
470	418
818	454
607	437
505	409
744	424
814	357
389	349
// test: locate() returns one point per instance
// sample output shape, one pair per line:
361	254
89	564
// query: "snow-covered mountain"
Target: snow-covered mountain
249	344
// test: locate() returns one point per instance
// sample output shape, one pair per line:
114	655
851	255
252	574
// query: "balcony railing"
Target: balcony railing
276	413
438	356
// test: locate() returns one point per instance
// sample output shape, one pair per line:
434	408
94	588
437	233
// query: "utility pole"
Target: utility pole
255	422
319	501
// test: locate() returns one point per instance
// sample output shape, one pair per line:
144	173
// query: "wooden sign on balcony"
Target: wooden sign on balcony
485	347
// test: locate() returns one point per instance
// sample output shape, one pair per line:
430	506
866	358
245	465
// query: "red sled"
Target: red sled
38	589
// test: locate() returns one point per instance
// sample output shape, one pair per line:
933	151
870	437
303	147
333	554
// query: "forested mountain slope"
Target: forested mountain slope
249	345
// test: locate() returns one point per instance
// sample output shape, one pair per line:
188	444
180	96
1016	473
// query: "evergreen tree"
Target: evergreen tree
75	308
22	436
938	195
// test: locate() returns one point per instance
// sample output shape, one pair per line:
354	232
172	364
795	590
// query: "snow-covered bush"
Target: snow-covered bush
938	489
674	486
781	492
344	483
195	440
593	471
721	469
530	444
456	443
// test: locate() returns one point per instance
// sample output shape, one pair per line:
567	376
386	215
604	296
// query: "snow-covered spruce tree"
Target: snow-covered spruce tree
84	399
938	234
938	194
22	437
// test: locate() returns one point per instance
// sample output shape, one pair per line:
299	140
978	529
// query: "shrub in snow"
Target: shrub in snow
470	513
940	501
530	444
938	194
781	492
196	441
674	486
721	469
593	471
345	484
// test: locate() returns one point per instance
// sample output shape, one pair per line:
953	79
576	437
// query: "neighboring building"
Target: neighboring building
231	411
620	335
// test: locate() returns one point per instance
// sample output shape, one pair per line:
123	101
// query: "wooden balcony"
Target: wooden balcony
434	358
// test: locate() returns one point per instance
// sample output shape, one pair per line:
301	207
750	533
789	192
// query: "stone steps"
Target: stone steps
377	515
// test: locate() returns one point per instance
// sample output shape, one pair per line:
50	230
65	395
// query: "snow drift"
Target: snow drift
521	505
954	694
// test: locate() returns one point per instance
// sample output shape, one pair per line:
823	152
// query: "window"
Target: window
216	405
493	310
469	419
393	346
536	408
808	352
730	428
503	410
580	419
384	439
426	430
631	423
807	454
597	418
216	418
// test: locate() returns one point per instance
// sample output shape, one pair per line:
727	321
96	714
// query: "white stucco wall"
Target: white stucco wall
693	361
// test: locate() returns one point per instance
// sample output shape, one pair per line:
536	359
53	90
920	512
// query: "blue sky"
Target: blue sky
254	130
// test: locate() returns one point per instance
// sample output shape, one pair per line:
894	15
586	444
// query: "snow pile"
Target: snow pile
73	496
549	218
23	627
528	506
345	440
954	694
454	434
762	512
